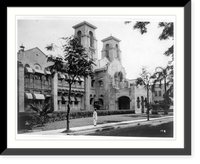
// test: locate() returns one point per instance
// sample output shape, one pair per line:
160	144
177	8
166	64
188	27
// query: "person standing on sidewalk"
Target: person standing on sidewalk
95	117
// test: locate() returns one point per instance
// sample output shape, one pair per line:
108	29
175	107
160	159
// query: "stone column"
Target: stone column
116	105
96	50
20	87
87	93
54	91
132	104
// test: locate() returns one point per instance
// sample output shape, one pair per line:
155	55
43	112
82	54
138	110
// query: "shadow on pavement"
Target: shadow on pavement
106	122
161	130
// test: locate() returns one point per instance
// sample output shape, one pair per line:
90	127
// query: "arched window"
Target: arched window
101	82
92	82
107	50
117	50
79	36
91	39
142	103
120	76
138	102
37	66
101	101
27	65
91	101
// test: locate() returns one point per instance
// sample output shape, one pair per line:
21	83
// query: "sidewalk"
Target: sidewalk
99	127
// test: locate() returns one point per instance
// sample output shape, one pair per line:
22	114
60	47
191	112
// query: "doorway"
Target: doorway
124	102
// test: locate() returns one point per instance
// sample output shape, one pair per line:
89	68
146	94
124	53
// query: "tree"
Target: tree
74	62
141	26
167	33
163	75
145	80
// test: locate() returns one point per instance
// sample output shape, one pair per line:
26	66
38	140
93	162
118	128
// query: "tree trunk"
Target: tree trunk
68	111
165	110
147	102
68	106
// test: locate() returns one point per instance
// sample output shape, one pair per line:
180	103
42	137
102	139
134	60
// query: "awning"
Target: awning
81	79
64	98
38	96
61	76
76	78
78	99
47	72
72	98
60	98
28	96
38	71
28	70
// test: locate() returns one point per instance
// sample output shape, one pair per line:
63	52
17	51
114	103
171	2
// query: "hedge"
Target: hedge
26	120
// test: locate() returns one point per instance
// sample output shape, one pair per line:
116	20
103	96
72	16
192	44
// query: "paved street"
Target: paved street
161	128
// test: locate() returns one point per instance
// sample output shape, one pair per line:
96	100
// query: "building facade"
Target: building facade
159	90
36	85
34	80
109	87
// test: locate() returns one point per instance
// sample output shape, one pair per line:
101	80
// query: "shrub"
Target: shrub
35	119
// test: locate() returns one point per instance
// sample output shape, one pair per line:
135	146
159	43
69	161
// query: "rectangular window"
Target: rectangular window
59	105
159	93
156	93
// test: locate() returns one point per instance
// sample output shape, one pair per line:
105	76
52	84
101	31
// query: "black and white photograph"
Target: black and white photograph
107	81
96	76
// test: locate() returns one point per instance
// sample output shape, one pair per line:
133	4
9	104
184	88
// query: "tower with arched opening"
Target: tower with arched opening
111	49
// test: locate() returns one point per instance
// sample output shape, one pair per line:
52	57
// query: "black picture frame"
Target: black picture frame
127	151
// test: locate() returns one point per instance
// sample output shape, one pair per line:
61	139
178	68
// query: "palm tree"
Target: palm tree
164	75
74	62
43	111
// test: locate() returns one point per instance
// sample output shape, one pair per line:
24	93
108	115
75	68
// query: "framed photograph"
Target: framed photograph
98	80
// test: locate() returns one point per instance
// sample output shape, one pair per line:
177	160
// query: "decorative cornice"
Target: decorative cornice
101	69
84	23
111	38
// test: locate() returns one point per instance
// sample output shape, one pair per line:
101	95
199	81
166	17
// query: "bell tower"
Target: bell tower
85	32
87	37
111	48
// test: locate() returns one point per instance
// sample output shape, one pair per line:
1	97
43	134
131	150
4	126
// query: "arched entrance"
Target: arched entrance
124	102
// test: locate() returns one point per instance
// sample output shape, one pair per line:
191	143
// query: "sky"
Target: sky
137	50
